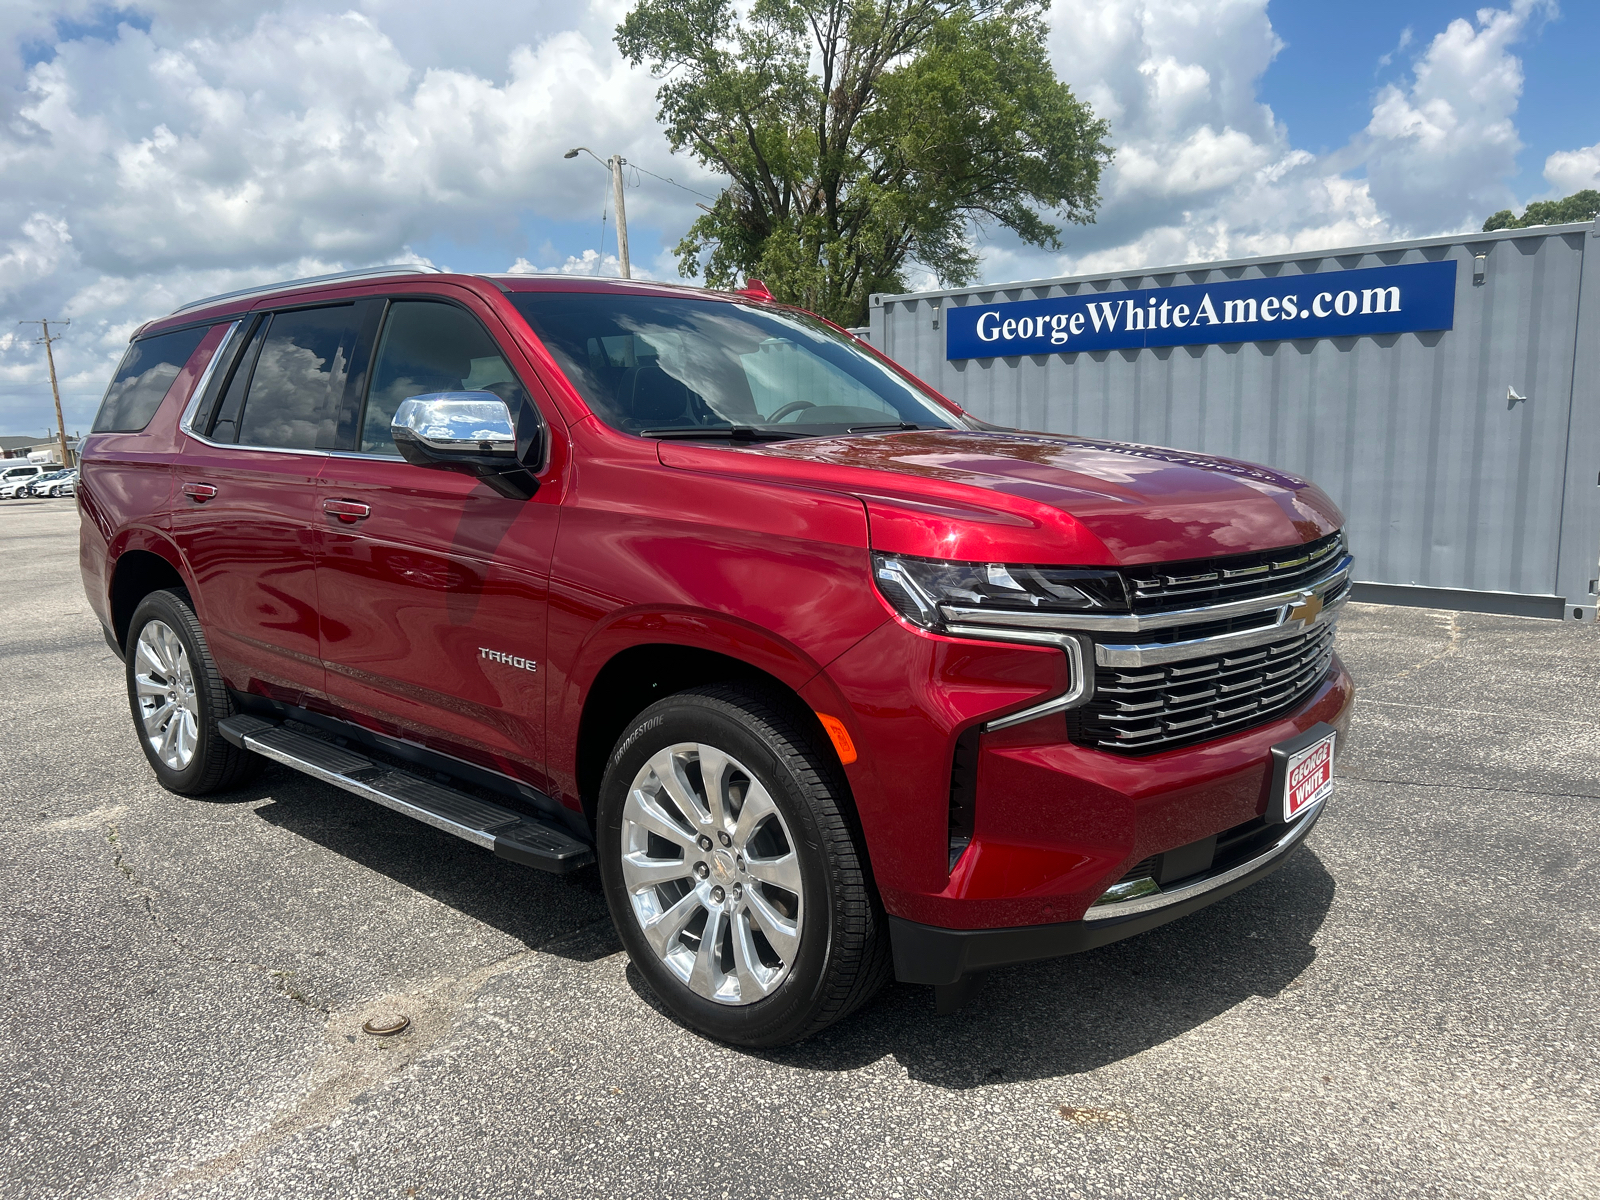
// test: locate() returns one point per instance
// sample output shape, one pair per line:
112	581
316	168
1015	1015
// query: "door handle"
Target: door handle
199	492
348	511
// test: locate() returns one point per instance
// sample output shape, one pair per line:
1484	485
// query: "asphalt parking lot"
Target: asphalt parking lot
1407	1009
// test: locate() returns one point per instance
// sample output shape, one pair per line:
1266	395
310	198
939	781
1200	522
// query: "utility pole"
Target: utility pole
55	389
622	214
614	164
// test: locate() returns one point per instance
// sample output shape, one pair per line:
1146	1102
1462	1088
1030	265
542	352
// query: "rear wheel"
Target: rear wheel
177	697
731	873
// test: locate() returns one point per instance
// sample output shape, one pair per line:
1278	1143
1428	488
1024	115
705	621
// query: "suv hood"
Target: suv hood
1034	497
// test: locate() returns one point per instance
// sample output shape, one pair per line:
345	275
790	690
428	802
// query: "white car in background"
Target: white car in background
54	483
15	481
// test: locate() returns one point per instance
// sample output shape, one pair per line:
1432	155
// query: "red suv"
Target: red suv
828	677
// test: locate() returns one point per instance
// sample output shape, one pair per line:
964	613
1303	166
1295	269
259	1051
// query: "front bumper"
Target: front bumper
928	954
1054	823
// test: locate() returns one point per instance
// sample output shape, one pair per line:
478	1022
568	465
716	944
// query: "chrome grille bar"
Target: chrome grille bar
1151	711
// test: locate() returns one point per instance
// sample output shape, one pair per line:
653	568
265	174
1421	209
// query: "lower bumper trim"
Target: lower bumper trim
1110	906
929	954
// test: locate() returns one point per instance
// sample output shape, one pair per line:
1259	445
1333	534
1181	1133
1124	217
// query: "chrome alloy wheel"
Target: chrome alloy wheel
164	682
712	873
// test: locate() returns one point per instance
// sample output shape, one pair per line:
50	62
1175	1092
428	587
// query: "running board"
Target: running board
521	839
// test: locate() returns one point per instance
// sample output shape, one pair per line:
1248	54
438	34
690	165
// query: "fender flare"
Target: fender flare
150	541
691	628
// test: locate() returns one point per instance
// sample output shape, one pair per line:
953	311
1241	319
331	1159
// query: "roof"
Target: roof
232	304
289	285
596	283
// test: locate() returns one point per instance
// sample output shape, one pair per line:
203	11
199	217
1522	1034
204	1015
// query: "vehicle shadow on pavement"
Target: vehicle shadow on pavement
1076	1014
536	908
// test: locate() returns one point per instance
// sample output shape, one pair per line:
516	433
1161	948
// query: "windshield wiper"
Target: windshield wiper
876	428
734	433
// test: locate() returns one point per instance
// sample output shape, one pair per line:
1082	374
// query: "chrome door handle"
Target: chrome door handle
199	492
348	511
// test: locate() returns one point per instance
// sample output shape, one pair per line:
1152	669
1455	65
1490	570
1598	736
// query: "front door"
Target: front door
432	585
245	502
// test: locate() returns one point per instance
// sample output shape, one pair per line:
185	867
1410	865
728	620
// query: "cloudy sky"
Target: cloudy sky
171	149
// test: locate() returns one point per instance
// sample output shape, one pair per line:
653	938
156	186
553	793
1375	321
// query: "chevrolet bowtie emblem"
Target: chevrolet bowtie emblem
1307	609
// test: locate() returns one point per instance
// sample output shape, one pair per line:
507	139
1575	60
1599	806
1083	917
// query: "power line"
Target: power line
673	182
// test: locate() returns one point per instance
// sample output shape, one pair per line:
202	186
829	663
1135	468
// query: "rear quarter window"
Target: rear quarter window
143	378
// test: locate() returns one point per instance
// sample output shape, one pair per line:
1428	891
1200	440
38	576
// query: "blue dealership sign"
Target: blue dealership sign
1402	299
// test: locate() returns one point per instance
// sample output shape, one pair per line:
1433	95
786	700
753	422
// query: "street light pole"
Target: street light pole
55	390
622	215
614	164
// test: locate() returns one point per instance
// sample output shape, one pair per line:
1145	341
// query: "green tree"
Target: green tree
863	136
1580	206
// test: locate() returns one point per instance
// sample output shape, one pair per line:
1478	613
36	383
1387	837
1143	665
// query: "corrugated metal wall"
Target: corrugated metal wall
1447	483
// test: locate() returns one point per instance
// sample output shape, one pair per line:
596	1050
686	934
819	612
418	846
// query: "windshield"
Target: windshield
678	365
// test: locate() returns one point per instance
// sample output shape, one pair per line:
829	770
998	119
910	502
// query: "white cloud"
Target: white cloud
36	254
1439	153
590	262
1407	36
1568	171
314	134
1202	162
1203	170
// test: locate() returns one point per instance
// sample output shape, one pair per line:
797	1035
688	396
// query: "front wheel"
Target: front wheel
731	872
177	697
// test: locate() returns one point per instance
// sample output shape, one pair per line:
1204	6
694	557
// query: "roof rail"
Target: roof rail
290	284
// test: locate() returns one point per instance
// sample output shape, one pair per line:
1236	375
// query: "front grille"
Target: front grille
1139	710
1168	586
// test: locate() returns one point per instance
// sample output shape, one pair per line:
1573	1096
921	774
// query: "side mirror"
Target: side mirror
471	432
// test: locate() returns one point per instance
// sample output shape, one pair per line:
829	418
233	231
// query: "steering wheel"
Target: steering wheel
792	407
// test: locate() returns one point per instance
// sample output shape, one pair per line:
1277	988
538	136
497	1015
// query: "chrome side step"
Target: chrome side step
511	835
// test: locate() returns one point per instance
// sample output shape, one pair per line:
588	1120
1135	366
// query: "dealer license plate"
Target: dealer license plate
1309	777
1302	773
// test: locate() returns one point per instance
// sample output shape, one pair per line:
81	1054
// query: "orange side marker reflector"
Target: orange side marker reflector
840	736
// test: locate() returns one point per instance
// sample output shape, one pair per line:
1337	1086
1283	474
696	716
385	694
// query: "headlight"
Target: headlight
921	588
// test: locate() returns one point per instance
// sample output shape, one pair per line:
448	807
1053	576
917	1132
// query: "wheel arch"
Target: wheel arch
637	676
142	564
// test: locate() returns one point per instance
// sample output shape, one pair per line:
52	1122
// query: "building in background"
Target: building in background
34	449
1445	392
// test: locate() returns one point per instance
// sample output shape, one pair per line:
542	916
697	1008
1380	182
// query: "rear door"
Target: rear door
245	504
432	585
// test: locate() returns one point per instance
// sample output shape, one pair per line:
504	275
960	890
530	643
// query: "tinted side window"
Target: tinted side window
428	346
143	379
299	379
224	425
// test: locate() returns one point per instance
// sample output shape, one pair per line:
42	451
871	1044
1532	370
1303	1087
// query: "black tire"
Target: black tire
843	955
217	765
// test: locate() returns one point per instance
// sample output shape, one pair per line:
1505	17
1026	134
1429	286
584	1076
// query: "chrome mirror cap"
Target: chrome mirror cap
465	422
